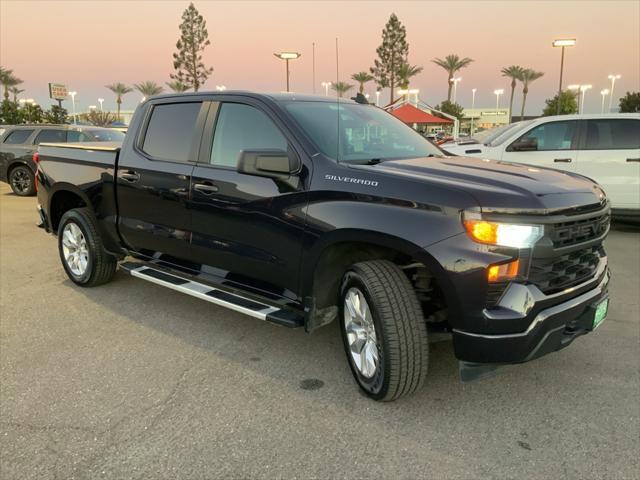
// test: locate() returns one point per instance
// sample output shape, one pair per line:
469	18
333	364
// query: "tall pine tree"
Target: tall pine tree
392	55
187	61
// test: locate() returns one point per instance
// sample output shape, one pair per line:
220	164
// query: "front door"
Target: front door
552	145
154	177
247	229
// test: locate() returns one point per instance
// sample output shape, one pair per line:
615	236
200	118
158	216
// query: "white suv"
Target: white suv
605	148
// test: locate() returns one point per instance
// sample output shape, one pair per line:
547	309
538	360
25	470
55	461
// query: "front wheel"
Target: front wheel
383	330
81	250
22	181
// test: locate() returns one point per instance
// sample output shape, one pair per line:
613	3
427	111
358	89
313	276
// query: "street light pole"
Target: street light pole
604	93
100	100
286	56
583	90
613	79
473	106
73	103
568	42
377	98
326	86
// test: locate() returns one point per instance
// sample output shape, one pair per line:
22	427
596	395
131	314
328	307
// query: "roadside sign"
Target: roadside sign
57	91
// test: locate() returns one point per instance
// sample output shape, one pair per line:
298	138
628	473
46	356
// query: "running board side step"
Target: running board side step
219	297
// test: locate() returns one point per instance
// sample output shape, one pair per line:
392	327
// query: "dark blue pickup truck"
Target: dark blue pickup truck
304	210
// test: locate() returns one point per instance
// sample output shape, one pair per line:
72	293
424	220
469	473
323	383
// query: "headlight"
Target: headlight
501	234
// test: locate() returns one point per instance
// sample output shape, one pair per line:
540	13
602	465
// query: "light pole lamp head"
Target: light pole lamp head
73	94
474	90
101	100
614	77
499	91
584	88
564	42
604	92
573	87
287	55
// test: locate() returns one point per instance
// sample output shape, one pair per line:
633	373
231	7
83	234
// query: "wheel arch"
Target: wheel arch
327	262
63	198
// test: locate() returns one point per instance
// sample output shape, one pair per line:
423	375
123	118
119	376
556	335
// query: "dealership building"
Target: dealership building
483	118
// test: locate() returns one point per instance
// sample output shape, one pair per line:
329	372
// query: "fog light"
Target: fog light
503	272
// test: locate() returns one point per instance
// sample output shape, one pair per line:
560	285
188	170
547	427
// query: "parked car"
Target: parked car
605	148
19	142
270	206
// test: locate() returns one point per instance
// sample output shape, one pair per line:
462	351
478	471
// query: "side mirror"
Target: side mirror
268	163
525	144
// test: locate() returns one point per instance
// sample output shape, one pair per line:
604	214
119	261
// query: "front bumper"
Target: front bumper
564	316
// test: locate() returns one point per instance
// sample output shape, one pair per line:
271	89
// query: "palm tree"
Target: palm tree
341	88
452	63
526	77
8	80
405	72
361	78
148	89
514	72
15	91
177	86
119	89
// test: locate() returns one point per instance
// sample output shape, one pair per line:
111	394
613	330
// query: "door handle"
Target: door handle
562	160
633	159
206	188
130	176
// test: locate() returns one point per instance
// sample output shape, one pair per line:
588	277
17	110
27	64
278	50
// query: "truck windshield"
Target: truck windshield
355	133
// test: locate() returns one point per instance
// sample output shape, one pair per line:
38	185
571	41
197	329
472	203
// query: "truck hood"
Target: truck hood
498	185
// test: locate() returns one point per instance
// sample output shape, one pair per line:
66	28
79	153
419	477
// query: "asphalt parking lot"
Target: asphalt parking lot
130	380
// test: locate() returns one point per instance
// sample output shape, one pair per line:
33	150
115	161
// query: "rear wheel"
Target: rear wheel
81	250
383	330
22	181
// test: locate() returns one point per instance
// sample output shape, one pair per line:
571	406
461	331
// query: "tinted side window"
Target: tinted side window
170	131
52	136
241	127
74	136
610	134
17	137
554	135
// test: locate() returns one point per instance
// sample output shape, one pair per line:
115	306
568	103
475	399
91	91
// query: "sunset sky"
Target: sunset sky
88	44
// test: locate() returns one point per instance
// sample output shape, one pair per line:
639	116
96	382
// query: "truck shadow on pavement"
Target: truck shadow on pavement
290	355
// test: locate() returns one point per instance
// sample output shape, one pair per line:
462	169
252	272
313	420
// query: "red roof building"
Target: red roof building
409	114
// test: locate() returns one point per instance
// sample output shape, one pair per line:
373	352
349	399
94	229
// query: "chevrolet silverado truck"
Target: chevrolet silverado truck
303	210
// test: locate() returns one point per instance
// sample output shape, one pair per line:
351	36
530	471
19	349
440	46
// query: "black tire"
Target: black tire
400	328
22	181
101	266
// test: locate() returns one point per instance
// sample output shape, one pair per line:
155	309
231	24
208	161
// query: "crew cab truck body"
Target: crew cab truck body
304	210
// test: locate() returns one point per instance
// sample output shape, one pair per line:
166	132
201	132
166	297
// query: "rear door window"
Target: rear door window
18	137
170	131
554	135
51	136
612	134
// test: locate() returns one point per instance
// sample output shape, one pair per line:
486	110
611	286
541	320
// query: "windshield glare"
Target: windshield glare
356	133
502	133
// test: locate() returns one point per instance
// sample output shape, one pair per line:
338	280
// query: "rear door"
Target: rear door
154	177
610	155
247	229
16	147
555	145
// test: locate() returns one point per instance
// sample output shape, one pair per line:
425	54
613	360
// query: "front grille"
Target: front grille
569	233
552	275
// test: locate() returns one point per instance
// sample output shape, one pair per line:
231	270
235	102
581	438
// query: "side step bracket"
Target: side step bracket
219	297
